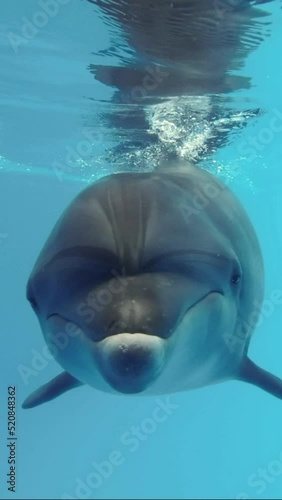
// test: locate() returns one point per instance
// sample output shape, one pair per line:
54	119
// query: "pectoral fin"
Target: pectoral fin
57	386
255	375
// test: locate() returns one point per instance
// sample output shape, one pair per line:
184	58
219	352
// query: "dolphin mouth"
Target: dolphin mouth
131	362
123	329
211	292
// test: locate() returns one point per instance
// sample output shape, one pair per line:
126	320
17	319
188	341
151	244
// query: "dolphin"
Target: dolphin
150	284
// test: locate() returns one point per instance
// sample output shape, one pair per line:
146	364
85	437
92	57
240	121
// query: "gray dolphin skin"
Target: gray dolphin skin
150	283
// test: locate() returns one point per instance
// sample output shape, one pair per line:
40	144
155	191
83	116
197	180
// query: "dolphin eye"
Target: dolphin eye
236	278
33	303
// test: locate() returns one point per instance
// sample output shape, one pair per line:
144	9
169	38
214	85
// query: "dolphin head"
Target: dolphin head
130	294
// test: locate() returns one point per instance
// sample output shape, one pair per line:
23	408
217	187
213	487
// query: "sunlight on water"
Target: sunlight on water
183	124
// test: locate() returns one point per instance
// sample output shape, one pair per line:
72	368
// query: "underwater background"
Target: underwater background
57	134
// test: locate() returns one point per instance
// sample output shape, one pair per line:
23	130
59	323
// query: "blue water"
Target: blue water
222	441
